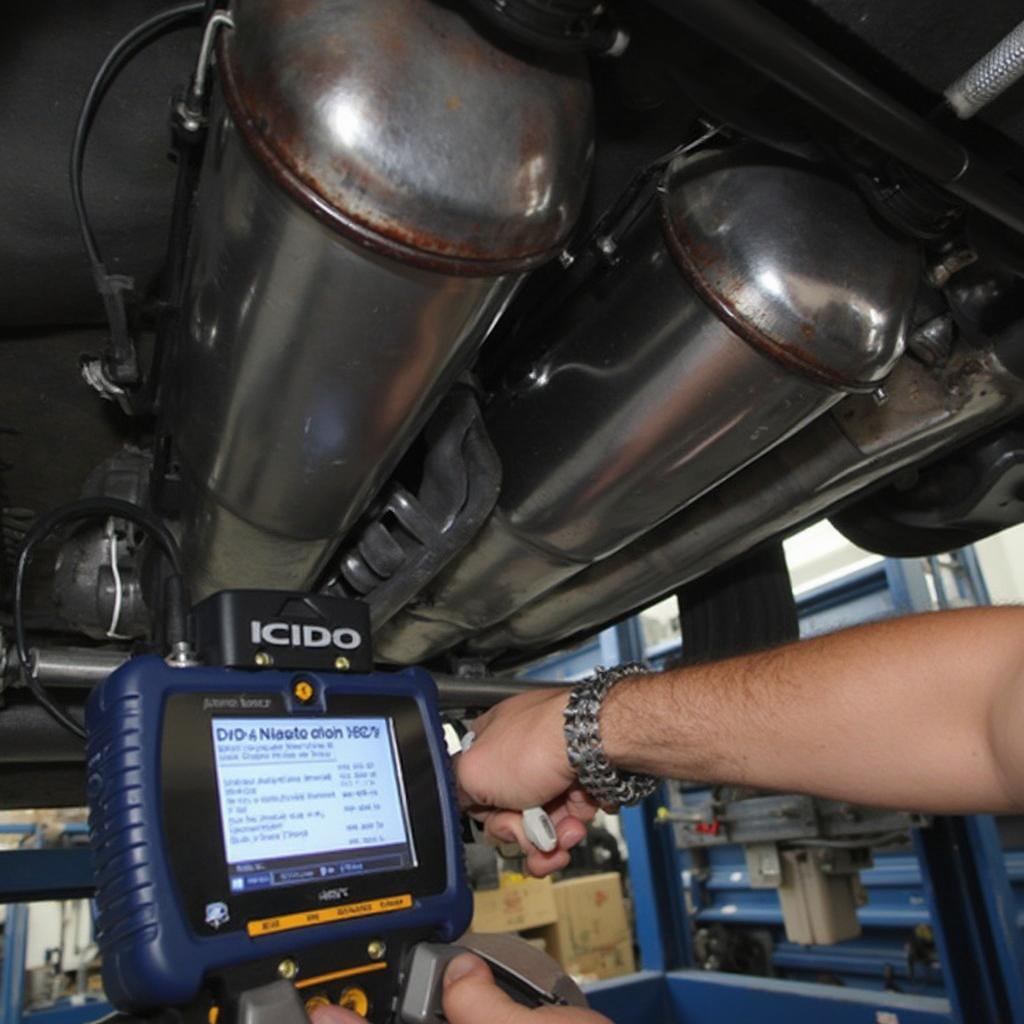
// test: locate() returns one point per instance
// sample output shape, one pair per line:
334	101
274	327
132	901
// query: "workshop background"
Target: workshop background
699	905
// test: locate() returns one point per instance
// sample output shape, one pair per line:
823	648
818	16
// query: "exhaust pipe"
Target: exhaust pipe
800	481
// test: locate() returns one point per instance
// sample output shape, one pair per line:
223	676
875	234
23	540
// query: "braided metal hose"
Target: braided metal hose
990	77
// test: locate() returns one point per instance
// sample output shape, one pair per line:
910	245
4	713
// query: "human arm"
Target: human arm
924	713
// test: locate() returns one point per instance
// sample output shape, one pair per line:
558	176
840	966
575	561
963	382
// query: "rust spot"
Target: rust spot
703	257
693	260
272	129
277	140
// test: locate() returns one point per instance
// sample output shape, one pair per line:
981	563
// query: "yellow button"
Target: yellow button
315	1001
356	1000
303	690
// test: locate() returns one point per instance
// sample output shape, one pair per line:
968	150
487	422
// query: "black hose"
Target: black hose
111	287
176	614
739	608
137	39
88	508
767	43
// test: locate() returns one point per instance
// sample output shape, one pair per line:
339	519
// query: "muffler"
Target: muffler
378	177
754	293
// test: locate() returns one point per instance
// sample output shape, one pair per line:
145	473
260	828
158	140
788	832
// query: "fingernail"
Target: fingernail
459	968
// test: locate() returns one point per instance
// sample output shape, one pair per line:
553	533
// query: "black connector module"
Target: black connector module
283	629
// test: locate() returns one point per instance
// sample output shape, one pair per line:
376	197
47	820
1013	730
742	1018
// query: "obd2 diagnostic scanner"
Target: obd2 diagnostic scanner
256	826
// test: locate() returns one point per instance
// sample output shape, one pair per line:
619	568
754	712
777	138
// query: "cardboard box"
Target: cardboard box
591	938
529	903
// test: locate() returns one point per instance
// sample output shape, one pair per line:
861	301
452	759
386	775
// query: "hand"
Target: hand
471	997
335	1015
518	760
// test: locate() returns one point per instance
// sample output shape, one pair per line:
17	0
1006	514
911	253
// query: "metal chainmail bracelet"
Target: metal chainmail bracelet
608	786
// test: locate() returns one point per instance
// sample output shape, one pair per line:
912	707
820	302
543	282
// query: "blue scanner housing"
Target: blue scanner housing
156	950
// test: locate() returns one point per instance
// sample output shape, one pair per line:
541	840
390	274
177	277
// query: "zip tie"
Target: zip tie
115	617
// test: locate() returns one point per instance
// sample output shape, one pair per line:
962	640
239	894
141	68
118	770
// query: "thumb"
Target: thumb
334	1015
471	996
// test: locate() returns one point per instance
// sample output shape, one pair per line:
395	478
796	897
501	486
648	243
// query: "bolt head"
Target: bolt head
341	663
263	659
287	969
376	949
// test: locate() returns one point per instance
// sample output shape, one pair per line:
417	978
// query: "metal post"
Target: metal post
940	584
622	643
609	641
12	978
907	586
968	558
974	918
1000	906
655	869
655	875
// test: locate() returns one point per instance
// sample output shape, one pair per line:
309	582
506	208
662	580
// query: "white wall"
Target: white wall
1002	564
45	925
821	554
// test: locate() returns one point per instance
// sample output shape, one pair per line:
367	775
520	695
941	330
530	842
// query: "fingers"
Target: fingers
540	864
334	1015
575	803
507	827
470	995
569	814
570	832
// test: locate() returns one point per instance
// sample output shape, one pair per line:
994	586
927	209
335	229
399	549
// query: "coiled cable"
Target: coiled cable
76	511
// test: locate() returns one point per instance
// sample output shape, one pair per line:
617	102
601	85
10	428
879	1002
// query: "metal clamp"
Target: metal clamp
191	108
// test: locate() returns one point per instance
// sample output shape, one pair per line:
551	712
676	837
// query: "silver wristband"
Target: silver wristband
604	783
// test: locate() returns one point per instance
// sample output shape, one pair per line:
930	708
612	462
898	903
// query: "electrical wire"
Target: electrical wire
137	39
111	287
76	511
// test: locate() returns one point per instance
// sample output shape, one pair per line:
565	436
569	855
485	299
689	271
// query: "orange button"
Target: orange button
303	690
356	1000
